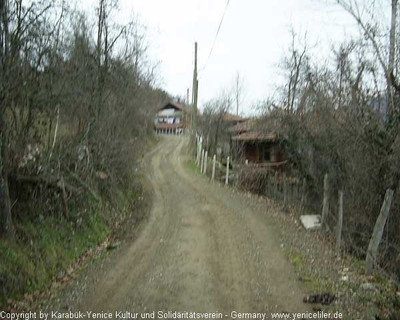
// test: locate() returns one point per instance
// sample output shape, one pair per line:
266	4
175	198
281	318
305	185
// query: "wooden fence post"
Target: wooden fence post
202	161
213	167
377	233
205	163
227	171
199	150
325	203
339	223
276	185
285	192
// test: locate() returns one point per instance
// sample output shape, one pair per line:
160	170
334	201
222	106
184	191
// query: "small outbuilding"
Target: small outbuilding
261	149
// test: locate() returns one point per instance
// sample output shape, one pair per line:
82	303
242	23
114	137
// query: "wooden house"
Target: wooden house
258	148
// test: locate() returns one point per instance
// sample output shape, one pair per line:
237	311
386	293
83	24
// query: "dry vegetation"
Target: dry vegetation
343	118
76	106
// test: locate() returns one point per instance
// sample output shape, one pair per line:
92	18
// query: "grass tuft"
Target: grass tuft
192	166
45	248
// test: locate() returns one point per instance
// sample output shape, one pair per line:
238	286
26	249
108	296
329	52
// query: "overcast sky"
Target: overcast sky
253	38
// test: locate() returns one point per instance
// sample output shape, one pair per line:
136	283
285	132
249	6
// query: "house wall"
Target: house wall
169	112
169	115
278	154
259	152
251	152
166	112
172	119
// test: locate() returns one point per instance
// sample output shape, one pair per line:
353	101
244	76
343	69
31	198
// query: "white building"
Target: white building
171	119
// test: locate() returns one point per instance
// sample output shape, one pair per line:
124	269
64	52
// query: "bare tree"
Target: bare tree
212	123
5	205
338	127
372	31
53	82
19	26
295	64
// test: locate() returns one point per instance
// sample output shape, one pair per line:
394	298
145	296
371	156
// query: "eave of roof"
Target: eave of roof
255	136
176	106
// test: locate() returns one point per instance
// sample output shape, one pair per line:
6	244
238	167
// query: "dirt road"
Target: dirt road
203	249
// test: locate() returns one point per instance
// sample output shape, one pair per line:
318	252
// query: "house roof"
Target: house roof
250	124
255	136
239	128
168	125
232	118
176	106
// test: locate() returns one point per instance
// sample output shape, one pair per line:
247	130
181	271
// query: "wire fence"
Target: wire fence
305	198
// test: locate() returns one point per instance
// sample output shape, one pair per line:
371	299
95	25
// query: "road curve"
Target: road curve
203	249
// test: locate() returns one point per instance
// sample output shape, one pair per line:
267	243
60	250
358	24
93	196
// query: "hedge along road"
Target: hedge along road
203	249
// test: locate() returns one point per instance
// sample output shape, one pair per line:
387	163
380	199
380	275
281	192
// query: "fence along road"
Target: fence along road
203	249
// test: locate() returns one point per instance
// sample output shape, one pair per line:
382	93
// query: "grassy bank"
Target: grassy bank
48	242
45	248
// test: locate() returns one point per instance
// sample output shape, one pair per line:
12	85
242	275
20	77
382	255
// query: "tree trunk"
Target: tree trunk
386	64
392	46
6	226
7	229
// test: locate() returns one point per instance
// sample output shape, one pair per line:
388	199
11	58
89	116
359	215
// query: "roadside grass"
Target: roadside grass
50	245
381	301
295	258
47	245
45	248
313	282
154	140
192	166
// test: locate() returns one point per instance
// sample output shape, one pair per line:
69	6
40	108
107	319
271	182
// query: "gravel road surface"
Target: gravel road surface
203	249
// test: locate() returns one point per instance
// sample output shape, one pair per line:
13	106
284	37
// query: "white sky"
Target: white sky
252	40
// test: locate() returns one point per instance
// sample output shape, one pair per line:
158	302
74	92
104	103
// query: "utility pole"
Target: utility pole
195	89
237	93
187	97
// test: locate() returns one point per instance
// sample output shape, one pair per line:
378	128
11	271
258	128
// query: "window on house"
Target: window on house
266	153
